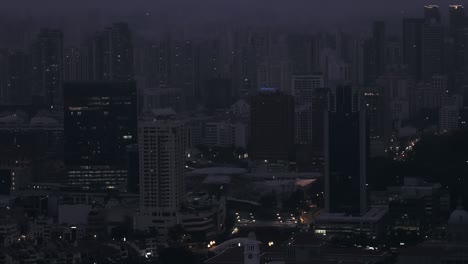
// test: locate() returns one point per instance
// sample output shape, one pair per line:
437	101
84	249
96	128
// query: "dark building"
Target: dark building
346	148
379	44
100	122
15	77
5	182
272	125
432	44
455	61
379	120
218	94
412	46
112	54
457	19
47	67
374	53
432	13
309	153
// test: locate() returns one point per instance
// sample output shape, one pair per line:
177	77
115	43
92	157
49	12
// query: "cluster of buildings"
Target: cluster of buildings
101	142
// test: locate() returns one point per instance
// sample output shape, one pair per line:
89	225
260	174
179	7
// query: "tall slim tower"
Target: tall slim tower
47	60
379	42
112	54
432	43
162	162
345	152
412	46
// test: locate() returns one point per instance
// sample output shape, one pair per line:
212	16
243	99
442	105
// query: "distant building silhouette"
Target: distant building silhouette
47	67
345	152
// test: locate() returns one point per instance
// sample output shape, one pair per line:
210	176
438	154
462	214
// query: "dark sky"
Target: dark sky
206	9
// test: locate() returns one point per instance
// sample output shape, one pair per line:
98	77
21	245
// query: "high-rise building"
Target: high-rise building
161	140
47	67
448	118
455	59
15	79
272	125
345	152
303	87
100	122
432	13
300	50
218	94
76	64
432	48
412	46
112	54
275	74
379	39
457	18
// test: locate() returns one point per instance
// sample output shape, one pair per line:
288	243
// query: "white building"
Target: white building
162	162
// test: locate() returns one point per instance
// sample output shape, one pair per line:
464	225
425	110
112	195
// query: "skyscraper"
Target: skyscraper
161	140
345	152
272	125
275	74
15	79
47	67
456	66
379	39
457	18
412	46
432	13
303	87
112	54
76	64
432	47
100	122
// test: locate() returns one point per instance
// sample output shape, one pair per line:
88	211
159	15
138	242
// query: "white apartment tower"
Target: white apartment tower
162	161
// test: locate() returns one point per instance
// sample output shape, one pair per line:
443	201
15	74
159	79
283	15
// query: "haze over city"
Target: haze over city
240	132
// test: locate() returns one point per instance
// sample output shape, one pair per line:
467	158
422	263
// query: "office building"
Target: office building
272	125
100	122
432	48
346	151
47	65
112	54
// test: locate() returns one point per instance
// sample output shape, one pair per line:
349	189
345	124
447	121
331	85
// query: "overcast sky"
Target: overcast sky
75	15
294	9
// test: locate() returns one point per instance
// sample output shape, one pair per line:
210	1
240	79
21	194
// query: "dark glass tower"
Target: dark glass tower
272	125
412	33
346	148
100	122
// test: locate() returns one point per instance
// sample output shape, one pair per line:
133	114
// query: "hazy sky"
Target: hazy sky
293	9
83	15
